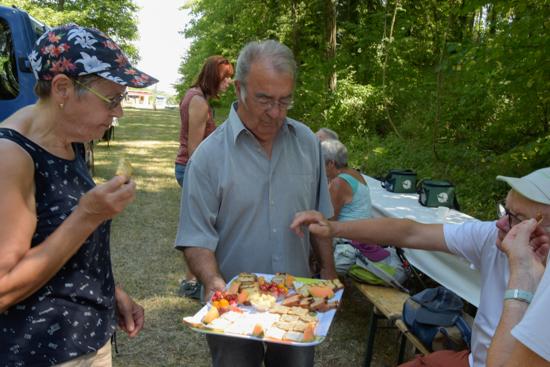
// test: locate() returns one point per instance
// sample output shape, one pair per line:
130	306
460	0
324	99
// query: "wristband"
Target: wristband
518	294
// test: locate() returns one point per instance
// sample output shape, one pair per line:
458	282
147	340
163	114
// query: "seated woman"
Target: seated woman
350	197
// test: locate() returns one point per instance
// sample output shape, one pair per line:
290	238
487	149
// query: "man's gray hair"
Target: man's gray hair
334	150
279	56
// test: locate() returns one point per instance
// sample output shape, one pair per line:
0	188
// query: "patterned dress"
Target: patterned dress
74	312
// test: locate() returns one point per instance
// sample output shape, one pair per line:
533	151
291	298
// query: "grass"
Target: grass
150	269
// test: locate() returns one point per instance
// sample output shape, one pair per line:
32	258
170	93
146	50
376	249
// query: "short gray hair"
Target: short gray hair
331	134
279	55
334	150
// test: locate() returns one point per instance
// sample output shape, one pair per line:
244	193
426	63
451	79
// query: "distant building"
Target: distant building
144	99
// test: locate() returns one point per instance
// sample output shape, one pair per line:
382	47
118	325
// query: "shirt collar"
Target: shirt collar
238	128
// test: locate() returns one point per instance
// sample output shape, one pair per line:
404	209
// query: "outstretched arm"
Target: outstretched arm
391	231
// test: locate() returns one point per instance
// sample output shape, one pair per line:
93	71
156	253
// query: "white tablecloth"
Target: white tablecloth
451	271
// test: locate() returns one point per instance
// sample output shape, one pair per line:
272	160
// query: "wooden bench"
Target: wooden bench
388	304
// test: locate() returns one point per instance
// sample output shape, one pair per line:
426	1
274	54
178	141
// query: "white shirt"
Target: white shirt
533	331
476	242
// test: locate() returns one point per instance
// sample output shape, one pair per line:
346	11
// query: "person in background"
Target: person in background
522	337
326	134
350	197
476	241
241	190
59	304
197	122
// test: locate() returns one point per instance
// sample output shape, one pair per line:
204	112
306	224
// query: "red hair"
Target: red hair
215	69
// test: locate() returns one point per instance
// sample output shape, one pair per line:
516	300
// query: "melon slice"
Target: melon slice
211	315
321	291
309	333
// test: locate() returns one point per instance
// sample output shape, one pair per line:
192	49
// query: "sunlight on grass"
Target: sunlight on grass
146	264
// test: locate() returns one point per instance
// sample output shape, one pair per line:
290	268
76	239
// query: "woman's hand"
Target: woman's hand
316	223
108	199
131	316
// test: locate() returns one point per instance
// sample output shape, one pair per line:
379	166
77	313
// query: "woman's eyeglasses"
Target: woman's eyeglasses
112	103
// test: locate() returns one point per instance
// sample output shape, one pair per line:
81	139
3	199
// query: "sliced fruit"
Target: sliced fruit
309	333
258	331
321	291
211	315
234	288
289	281
242	298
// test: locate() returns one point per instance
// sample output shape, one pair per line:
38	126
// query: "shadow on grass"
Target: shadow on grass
150	269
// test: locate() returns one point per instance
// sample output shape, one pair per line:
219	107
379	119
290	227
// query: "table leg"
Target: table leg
402	345
370	339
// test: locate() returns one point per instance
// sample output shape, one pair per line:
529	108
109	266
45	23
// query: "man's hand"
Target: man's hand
525	255
130	315
213	285
316	223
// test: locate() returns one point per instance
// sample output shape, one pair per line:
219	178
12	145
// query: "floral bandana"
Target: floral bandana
75	51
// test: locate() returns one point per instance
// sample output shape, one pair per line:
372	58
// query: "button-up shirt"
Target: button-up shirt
239	203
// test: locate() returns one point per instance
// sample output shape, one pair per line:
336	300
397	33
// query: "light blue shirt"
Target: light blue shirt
239	203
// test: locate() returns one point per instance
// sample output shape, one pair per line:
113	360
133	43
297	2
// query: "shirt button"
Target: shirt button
274	231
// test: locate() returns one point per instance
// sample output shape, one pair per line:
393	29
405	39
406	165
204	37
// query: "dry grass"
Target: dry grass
148	267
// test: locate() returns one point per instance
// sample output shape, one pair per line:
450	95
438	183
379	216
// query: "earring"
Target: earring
61	105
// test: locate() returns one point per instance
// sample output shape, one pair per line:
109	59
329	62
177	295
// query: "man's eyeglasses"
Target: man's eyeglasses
268	103
112	103
513	219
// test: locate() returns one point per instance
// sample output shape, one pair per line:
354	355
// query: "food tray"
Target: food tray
251	317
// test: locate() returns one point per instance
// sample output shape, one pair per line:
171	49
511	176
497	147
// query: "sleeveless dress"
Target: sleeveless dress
74	312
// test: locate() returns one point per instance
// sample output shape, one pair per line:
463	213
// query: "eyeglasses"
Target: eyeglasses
112	103
268	103
513	219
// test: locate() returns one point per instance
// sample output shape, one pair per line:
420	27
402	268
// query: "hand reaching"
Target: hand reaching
316	223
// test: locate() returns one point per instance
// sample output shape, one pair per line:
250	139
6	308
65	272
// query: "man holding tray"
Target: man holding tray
240	192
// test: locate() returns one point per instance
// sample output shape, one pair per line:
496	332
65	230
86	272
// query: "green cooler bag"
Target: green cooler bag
434	193
400	181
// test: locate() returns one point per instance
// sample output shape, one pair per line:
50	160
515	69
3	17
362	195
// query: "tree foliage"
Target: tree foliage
117	18
465	83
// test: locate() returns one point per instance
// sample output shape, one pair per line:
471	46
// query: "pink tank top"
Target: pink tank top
183	152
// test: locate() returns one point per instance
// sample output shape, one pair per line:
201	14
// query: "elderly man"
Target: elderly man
522	335
476	241
240	192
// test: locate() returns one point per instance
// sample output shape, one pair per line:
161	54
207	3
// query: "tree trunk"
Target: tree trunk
60	5
330	34
386	42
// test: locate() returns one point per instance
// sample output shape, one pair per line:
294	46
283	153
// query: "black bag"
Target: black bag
400	181
435	317
434	193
